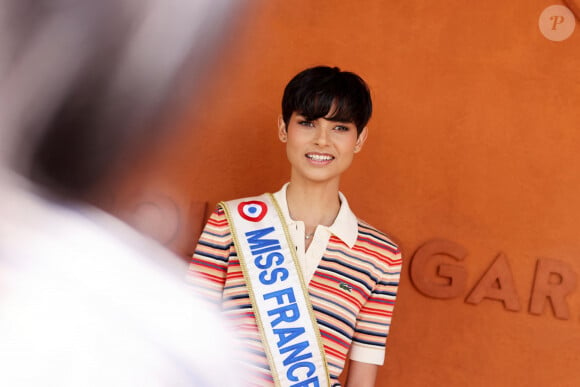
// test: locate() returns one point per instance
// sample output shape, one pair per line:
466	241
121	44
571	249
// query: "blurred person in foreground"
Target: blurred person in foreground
84	300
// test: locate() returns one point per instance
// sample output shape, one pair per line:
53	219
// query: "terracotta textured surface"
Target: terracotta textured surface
475	140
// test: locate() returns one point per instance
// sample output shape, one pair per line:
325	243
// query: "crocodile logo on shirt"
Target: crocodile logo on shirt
345	286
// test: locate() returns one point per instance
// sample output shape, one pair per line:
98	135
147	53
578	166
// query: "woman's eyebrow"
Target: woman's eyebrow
339	121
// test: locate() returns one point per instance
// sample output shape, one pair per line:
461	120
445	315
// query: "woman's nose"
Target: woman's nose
321	136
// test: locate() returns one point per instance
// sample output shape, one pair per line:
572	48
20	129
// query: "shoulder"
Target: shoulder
378	242
248	207
247	199
219	217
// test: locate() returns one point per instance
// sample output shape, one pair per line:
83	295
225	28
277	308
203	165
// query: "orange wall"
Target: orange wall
474	139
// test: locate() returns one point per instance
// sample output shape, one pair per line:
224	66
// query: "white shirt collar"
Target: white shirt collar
345	226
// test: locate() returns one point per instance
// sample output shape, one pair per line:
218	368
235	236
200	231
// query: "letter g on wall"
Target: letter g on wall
431	273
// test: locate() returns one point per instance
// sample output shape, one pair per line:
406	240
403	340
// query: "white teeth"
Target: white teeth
319	157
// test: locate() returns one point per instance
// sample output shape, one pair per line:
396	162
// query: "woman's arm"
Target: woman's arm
209	264
361	374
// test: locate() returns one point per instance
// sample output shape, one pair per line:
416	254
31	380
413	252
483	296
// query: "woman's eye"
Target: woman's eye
306	123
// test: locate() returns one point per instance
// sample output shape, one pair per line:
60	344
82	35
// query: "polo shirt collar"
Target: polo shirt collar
345	226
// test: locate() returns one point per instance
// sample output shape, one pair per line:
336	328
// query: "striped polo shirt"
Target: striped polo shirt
352	279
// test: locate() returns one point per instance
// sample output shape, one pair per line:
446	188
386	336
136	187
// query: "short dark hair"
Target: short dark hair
315	91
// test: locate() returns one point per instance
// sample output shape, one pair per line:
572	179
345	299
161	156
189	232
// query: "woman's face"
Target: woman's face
319	150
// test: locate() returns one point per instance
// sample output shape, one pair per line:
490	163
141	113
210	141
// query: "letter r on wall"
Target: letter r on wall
548	271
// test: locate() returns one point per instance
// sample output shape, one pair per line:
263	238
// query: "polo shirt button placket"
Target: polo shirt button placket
296	226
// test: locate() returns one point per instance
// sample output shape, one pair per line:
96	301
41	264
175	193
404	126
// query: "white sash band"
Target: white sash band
279	296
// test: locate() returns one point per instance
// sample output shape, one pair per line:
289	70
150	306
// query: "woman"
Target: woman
304	282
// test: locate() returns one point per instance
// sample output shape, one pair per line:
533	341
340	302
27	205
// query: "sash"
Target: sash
279	296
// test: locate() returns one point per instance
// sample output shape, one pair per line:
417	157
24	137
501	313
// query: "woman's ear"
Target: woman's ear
362	137
282	130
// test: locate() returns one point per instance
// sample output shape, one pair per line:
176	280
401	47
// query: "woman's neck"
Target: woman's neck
313	204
